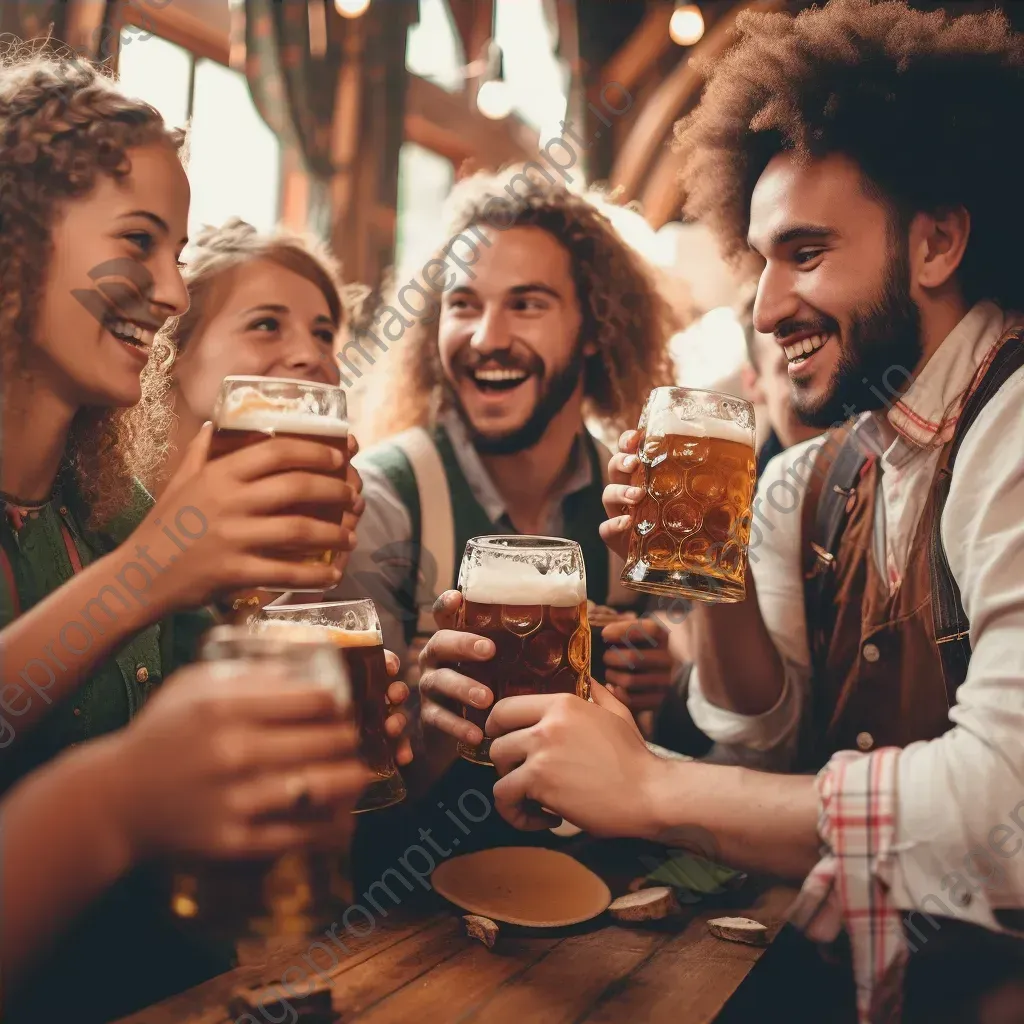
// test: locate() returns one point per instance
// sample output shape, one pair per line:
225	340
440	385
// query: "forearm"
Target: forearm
740	668
758	822
52	648
58	852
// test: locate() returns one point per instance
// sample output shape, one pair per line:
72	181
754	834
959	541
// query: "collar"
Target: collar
926	414
578	477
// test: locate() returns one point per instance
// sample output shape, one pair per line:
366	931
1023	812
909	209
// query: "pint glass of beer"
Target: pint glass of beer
245	903
529	596
253	409
354	630
696	468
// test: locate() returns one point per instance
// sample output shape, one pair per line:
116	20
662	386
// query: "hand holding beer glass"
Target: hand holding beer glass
252	409
528	595
696	470
353	628
259	897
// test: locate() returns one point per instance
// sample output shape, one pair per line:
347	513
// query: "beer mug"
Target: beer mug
242	903
252	409
696	468
354	629
529	596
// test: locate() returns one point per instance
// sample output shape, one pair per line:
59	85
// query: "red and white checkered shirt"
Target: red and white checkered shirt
849	888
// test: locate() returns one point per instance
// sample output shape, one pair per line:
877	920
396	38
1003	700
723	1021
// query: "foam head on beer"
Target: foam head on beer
254	408
517	583
665	422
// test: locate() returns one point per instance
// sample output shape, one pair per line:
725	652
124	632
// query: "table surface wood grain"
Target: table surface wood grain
427	969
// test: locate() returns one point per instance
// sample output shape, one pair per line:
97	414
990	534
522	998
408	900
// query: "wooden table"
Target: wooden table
428	970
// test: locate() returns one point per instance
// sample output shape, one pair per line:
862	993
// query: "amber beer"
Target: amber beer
250	902
697	470
352	627
529	596
253	409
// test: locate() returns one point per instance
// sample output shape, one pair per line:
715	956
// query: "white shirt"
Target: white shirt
959	830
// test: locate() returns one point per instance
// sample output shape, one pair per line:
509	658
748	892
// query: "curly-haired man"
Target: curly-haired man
867	156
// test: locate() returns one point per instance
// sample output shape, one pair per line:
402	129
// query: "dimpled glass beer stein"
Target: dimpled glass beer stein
696	469
529	596
244	903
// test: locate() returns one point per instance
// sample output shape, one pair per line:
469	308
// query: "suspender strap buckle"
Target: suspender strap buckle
825	561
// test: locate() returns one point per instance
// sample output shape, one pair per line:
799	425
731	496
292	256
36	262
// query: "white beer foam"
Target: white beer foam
519	583
250	409
320	632
703	426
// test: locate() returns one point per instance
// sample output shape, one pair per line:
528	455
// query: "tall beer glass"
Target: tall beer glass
696	468
354	629
246	902
253	409
529	596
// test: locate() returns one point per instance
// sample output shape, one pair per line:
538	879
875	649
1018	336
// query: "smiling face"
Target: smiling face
835	290
264	321
112	282
509	339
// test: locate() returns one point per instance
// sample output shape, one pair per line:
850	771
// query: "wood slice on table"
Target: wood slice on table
739	929
645	905
527	886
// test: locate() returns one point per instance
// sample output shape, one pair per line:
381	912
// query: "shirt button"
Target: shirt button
871	653
77	712
865	741
963	900
142	673
63	510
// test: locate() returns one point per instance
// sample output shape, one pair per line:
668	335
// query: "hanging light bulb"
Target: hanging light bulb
351	8
494	97
687	24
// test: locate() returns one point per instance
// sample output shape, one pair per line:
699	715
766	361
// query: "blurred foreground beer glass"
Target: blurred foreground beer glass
354	629
528	595
253	409
691	528
246	903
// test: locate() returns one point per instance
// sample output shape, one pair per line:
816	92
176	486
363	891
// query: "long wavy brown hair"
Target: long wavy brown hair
625	313
63	123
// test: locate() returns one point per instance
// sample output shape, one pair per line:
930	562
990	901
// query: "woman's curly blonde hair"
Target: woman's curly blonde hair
63	123
219	251
625	313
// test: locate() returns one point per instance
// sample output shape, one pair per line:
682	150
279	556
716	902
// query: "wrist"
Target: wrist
662	780
111	784
103	777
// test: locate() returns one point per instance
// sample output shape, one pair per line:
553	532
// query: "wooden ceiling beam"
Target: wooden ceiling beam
642	50
651	136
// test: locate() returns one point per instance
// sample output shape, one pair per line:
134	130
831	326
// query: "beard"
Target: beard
556	390
882	337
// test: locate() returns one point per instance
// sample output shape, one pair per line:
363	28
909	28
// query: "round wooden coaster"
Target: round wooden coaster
523	885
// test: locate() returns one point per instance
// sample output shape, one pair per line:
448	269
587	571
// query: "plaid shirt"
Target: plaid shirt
849	888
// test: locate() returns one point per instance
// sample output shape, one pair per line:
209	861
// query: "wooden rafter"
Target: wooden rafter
649	141
641	50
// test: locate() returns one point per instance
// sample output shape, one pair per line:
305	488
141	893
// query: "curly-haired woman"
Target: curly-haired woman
96	581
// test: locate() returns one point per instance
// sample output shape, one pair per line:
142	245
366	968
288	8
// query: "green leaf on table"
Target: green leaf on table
691	872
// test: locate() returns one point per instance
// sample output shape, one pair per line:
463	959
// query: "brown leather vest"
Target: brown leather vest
882	683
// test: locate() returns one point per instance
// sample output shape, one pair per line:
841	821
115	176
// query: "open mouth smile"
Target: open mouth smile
798	352
496	380
131	334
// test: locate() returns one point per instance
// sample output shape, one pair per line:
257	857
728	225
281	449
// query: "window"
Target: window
234	158
434	51
424	181
538	79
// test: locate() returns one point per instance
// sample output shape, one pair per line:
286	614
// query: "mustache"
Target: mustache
787	328
521	358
